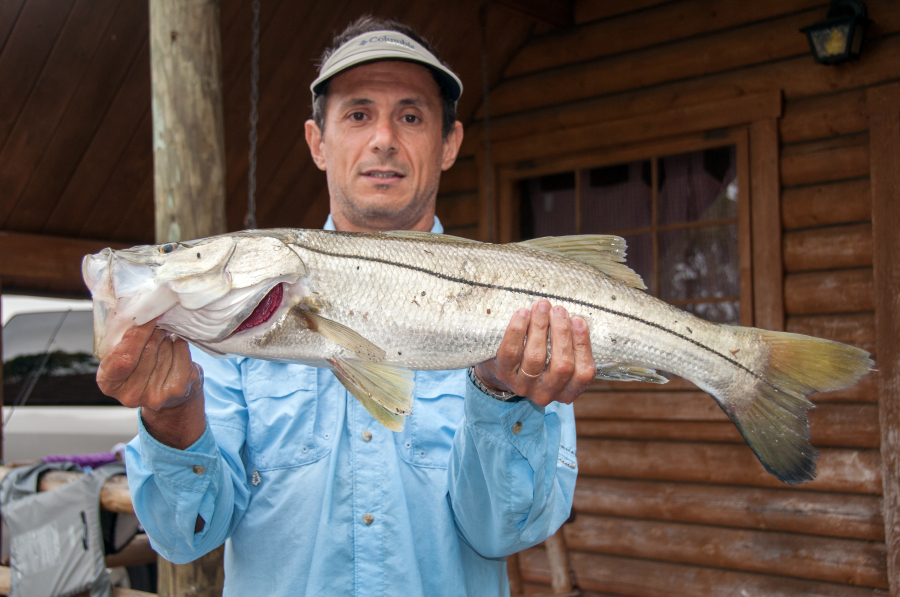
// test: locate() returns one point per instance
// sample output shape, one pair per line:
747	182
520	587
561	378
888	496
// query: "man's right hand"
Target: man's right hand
151	370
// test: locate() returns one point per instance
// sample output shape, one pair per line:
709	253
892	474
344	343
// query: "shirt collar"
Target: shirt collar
436	229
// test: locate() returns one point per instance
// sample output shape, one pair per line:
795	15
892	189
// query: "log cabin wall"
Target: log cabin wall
669	500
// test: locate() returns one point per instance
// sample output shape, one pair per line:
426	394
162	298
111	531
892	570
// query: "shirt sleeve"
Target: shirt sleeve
512	472
170	488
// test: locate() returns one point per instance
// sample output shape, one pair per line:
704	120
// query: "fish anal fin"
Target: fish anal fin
343	336
626	373
389	387
390	420
605	253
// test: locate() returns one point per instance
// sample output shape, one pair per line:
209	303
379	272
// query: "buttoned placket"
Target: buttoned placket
367	442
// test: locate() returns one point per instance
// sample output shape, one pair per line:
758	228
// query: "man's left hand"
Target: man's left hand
521	363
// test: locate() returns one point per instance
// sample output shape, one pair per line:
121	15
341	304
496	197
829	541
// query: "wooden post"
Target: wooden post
188	127
884	142
189	176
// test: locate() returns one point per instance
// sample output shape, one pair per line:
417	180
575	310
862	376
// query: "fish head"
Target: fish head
201	290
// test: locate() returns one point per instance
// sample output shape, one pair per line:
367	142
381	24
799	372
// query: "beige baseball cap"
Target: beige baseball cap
384	45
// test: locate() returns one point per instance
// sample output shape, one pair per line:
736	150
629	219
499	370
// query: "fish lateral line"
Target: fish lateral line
536	294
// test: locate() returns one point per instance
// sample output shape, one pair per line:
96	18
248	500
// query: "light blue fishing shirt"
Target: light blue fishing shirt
315	497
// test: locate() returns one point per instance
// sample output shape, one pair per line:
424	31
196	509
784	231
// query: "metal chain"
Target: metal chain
250	220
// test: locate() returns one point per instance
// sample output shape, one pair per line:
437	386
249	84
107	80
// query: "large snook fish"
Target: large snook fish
373	307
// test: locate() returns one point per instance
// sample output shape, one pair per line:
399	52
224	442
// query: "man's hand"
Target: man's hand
152	370
521	362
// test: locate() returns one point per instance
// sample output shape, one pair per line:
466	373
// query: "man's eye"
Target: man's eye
410	119
358	116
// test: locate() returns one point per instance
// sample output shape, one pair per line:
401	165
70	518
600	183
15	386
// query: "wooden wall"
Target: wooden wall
670	501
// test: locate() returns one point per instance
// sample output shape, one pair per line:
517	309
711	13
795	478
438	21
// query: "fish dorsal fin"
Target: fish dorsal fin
625	373
385	391
604	253
429	236
342	335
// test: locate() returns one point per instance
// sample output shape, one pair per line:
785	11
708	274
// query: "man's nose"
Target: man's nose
385	137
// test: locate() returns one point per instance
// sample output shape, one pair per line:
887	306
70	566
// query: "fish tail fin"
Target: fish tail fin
773	419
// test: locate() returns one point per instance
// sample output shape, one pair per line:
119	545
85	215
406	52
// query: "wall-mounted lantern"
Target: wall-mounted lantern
838	38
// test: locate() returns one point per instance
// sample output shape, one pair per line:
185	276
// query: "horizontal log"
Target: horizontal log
857	330
839	291
824	116
114	496
821	161
462	177
136	553
685	58
676	121
846	561
643	29
828	248
797	77
849	471
671	406
831	425
832	203
647	578
46	259
807	512
585	11
459	210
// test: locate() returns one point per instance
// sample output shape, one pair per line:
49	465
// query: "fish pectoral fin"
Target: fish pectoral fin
605	253
344	336
625	373
385	391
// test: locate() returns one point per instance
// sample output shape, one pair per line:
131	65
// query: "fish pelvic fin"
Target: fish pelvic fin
385	391
774	420
626	373
342	335
605	253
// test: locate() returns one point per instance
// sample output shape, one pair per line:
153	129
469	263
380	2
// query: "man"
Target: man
312	494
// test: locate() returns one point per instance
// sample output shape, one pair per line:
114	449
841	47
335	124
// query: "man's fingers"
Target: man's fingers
584	367
118	365
182	374
535	358
509	355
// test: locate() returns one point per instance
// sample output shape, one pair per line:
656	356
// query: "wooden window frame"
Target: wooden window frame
883	105
749	122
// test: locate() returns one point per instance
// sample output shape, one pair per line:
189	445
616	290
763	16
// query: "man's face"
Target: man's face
382	149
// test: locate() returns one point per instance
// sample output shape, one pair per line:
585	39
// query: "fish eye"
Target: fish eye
167	248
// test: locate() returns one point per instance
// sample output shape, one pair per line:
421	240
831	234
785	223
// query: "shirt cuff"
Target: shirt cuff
518	425
190	469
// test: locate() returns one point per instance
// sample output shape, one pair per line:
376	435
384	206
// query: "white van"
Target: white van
52	405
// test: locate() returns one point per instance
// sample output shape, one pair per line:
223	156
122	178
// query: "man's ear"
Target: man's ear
451	145
316	143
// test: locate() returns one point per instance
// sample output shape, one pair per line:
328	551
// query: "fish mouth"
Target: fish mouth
264	310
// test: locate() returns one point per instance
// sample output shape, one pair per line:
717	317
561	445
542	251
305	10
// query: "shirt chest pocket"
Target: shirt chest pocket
287	425
438	410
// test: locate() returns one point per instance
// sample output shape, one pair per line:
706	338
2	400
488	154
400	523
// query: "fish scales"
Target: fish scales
374	307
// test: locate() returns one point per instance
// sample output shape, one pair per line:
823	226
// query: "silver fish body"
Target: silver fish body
373	306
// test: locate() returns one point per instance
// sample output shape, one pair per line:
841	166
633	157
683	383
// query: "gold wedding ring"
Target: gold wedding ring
526	374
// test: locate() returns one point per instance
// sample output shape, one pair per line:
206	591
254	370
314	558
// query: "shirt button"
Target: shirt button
368	518
517	428
367	435
199	469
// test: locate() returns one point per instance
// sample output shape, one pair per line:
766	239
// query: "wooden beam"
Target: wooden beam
188	126
189	177
46	258
116	591
558	13
884	139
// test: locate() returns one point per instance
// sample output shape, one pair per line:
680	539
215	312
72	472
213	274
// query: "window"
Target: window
681	212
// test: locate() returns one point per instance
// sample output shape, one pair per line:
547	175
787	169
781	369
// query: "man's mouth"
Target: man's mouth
264	310
383	176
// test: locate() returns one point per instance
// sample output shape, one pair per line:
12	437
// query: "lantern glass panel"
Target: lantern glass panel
831	42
